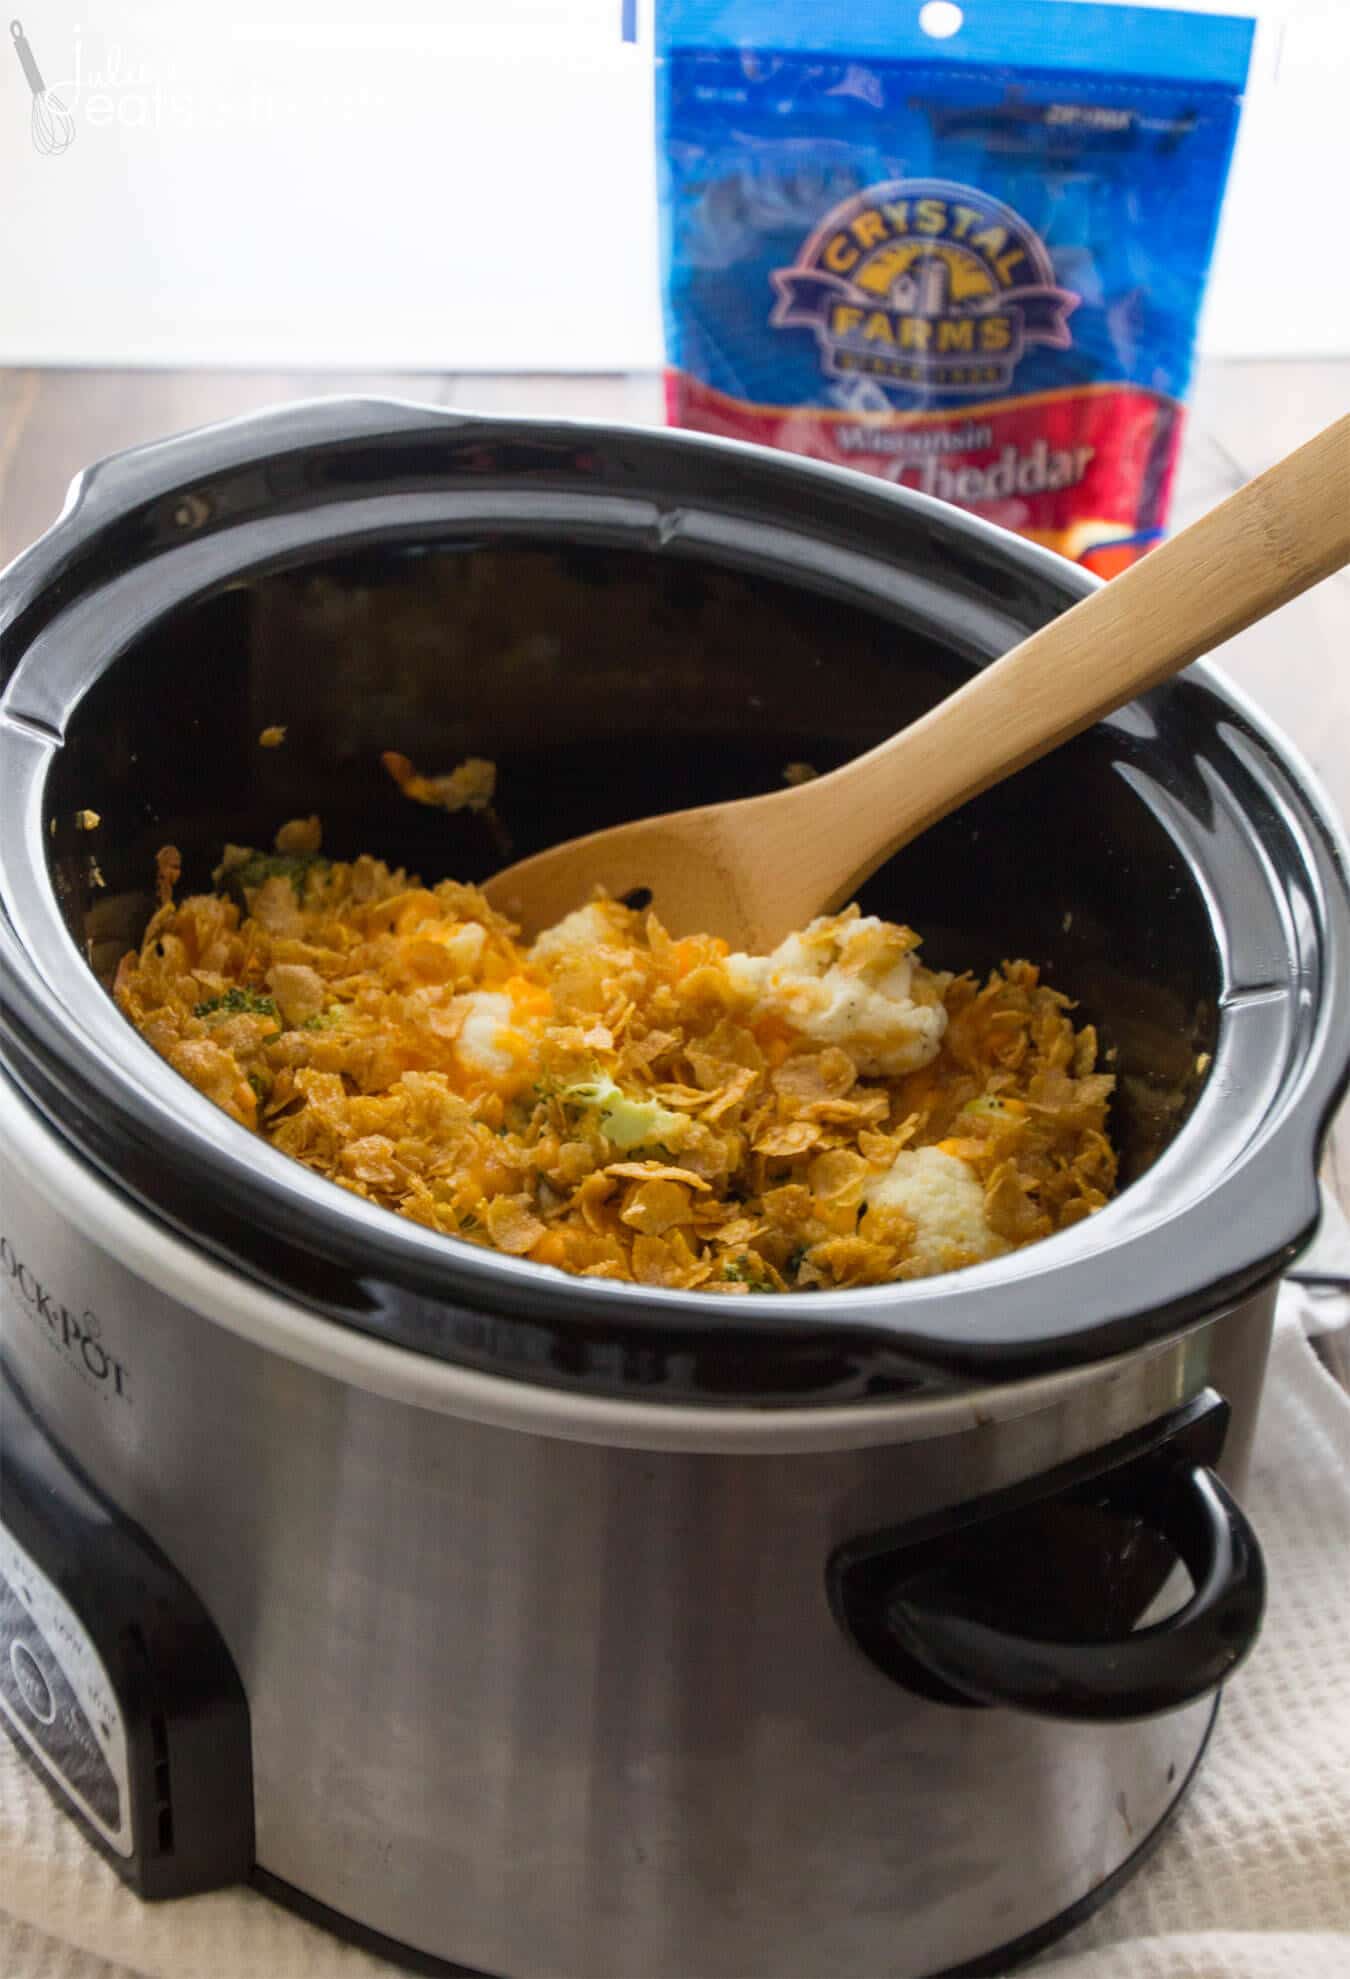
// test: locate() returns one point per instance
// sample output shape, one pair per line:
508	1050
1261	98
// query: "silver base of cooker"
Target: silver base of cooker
1003	1958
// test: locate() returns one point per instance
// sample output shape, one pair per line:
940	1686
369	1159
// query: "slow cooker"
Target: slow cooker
534	1626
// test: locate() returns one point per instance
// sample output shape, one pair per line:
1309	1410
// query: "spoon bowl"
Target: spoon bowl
697	868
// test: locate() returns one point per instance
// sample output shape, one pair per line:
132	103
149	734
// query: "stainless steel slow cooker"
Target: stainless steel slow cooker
552	1627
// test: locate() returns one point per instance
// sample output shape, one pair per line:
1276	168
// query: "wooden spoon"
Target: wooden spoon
755	869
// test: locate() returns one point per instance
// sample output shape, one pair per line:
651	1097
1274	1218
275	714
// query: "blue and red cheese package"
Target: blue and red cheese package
970	264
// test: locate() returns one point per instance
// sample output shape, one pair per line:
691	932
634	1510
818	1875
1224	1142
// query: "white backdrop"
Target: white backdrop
468	184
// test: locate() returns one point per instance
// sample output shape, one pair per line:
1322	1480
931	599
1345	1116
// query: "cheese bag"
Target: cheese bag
962	248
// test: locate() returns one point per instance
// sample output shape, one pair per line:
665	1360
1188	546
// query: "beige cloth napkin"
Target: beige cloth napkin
1251	1882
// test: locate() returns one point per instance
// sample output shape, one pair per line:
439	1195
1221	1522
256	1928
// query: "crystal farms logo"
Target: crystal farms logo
924	284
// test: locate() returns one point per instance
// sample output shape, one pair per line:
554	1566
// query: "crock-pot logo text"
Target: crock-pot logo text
76	1336
924	284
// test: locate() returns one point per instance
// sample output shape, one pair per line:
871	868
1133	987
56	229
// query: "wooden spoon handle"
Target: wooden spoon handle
1282	532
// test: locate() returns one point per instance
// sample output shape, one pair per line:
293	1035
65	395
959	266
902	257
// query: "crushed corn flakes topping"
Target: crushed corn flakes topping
619	1104
469	787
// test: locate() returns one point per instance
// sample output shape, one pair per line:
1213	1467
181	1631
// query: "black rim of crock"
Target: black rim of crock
1059	1304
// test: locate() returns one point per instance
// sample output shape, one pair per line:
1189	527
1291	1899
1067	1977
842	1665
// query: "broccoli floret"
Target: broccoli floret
325	1020
240	879
237	1003
624	1122
741	1271
988	1107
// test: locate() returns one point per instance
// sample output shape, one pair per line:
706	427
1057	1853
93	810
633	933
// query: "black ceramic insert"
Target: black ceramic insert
626	621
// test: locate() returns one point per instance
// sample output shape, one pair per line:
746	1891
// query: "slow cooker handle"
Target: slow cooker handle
1137	1674
917	1599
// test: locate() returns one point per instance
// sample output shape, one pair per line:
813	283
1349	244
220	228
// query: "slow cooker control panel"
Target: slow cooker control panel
115	1684
58	1699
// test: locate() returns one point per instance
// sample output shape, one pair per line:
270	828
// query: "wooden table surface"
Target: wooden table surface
1244	415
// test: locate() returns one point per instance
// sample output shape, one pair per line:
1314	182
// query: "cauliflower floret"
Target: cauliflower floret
945	1202
464	943
443	951
496	1032
600	924
851	980
487	1013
